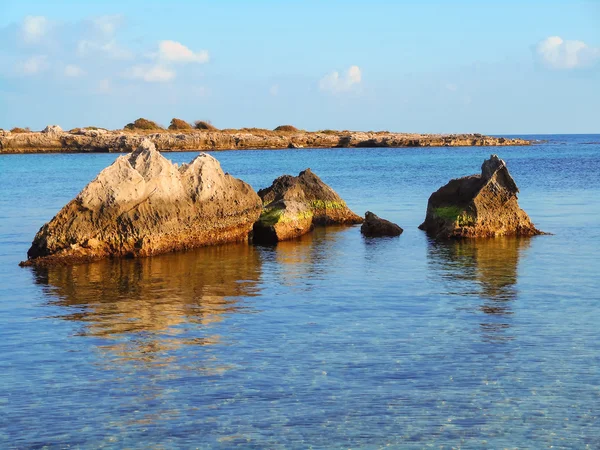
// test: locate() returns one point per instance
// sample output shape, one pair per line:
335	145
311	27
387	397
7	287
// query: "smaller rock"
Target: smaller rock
52	129
294	145
292	206
374	226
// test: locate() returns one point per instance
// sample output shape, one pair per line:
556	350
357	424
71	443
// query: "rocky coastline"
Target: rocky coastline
144	205
93	140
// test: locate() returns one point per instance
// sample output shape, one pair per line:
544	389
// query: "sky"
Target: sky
495	67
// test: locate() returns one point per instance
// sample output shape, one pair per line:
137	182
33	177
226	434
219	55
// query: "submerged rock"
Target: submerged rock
374	226
144	205
478	206
293	205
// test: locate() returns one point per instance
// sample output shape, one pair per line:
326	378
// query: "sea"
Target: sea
331	341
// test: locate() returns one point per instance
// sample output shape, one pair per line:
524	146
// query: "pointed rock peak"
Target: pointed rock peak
307	175
145	147
203	159
491	166
148	161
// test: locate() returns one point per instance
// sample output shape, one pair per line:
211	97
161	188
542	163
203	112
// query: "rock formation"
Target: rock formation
52	129
293	205
478	206
98	140
374	226
144	205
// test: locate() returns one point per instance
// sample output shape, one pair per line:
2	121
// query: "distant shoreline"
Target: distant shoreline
95	140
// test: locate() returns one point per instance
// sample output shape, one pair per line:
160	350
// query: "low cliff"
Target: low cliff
84	141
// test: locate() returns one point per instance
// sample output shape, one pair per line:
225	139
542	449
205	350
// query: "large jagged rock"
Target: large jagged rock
374	226
478	206
144	205
293	205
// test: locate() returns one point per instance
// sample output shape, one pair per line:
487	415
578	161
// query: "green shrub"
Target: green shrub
204	125
286	128
143	124
178	124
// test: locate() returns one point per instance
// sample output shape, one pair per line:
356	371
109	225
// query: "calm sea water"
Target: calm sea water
332	341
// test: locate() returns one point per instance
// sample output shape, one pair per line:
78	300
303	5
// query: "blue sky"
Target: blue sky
497	67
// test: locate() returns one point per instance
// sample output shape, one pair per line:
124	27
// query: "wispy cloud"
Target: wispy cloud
172	51
334	82
34	28
91	47
109	48
149	73
556	53
32	65
73	71
107	25
162	70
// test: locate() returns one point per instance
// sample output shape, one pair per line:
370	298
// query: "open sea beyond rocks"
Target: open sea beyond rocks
330	341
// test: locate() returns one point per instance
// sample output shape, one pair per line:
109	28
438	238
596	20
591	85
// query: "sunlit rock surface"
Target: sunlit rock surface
143	205
482	205
293	205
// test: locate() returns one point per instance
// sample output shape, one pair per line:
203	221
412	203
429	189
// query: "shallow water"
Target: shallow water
331	341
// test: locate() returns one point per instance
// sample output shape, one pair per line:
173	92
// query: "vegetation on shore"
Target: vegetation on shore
290	128
178	124
182	135
204	125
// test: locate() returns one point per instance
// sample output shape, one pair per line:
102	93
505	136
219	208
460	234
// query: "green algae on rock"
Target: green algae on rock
478	206
293	205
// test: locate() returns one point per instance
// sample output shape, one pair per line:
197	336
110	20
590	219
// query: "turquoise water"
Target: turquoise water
332	341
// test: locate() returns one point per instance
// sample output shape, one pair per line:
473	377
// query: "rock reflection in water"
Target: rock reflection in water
486	268
306	257
145	305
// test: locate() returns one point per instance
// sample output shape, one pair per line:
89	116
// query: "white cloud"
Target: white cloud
333	82
169	53
72	70
33	65
151	74
173	51
274	90
556	53
34	28
110	49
